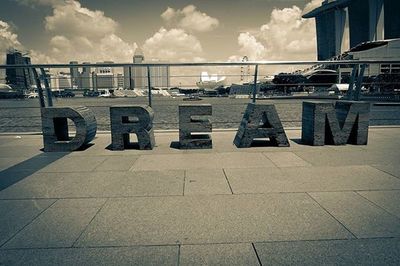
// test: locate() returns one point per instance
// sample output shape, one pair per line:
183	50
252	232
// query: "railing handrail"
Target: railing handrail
178	64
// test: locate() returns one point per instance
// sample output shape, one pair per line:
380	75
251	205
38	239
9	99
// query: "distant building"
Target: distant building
104	78
243	89
136	77
75	75
80	80
63	81
379	50
139	73
128	79
159	76
120	81
19	78
85	79
368	20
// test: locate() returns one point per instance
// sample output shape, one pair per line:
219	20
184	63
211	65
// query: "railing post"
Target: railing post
351	83
255	83
47	87
39	88
149	84
359	82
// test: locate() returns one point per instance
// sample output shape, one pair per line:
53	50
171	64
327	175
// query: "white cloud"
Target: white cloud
189	18
312	5
168	14
173	45
71	19
8	39
250	47
85	35
286	36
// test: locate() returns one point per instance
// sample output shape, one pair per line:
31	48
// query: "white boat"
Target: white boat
210	83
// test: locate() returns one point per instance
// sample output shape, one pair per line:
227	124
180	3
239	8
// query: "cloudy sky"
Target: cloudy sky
181	30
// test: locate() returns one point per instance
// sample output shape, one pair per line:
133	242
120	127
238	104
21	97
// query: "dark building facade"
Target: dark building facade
365	20
19	78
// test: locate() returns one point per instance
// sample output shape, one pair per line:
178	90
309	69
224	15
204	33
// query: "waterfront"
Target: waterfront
24	115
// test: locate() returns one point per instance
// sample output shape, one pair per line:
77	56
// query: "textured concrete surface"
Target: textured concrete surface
299	205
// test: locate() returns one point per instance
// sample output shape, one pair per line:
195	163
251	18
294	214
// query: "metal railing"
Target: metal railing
24	115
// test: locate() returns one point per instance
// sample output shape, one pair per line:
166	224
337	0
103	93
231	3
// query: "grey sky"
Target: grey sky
139	21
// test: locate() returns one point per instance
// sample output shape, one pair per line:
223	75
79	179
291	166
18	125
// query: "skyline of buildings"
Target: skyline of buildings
372	19
109	78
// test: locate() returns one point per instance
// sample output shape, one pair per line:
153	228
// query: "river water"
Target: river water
23	115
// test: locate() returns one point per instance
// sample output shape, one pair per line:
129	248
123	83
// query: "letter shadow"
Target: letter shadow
128	146
18	172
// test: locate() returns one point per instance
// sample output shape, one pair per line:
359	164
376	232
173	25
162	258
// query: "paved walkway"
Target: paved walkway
224	206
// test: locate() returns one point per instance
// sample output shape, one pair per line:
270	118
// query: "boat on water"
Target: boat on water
192	98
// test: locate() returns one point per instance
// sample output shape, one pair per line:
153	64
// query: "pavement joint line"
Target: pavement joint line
178	261
184	182
197	195
386	172
310	162
199	244
380	207
26	225
320	205
227	180
258	257
87	247
132	168
91	220
105	158
328	240
263	154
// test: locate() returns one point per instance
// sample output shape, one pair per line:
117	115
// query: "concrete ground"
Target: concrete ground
222	206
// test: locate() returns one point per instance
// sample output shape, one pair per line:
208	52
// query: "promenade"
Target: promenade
300	205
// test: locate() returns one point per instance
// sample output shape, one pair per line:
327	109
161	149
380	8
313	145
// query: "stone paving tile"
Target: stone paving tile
360	216
75	164
97	184
62	185
117	163
393	169
19	151
286	159
8	162
4	140
23	141
210	219
306	179
202	161
388	200
338	158
206	181
58	226
175	161
147	183
15	214
243	160
35	163
333	252
219	254
150	255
